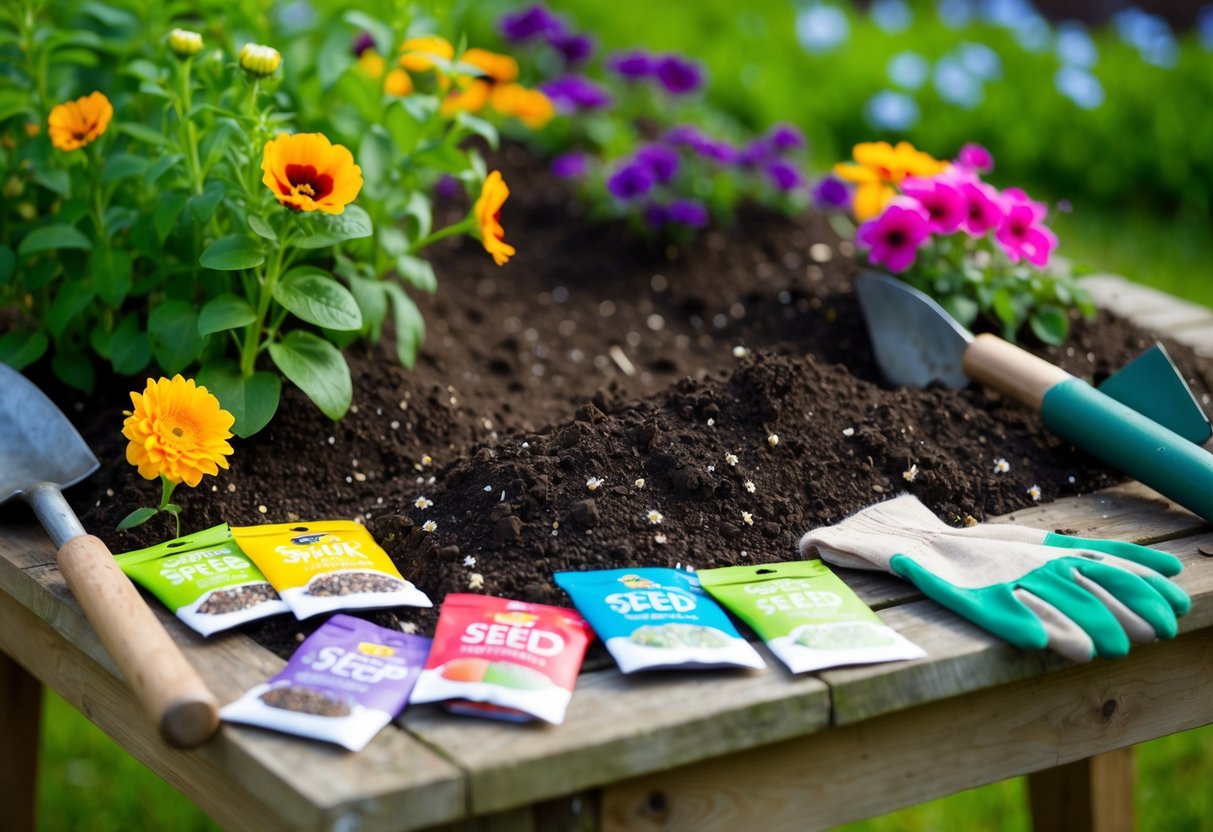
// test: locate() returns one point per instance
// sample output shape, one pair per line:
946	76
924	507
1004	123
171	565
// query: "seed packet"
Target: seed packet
657	618
205	579
521	659
327	565
346	681
806	615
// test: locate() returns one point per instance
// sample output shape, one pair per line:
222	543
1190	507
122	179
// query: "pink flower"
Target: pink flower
984	208
1022	236
975	157
942	199
894	237
1016	196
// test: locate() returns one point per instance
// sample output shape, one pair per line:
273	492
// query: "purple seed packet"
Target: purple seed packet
346	682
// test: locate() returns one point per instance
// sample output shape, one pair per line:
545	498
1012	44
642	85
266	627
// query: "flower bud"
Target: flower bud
259	61
184	43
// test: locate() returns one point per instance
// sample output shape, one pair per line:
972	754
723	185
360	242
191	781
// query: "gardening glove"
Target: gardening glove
1077	596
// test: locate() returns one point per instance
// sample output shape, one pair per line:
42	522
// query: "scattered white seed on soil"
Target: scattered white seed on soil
731	459
408	627
423	502
231	487
213	488
555	524
848	431
820	252
332	440
395	425
1001	466
773	440
359	476
526	445
429	526
593	483
711	423
910	474
262	509
639	482
655	517
655	322
659	539
475	580
750	487
1034	493
349	479
426	459
711	469
740	351
469	561
747	518
488	489
378	501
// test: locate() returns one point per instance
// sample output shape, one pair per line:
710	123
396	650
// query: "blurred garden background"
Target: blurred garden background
1098	107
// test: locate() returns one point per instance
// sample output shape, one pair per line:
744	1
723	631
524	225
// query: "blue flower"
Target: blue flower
956	85
908	70
982	61
891	15
1033	33
1006	13
1080	86
890	110
821	28
955	13
1149	34
1074	45
1204	27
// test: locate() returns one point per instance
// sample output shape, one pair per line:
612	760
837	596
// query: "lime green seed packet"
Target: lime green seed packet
806	615
205	579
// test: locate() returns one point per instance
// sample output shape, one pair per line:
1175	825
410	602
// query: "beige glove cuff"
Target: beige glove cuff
870	538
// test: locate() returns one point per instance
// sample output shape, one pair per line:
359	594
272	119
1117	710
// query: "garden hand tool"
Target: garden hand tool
917	342
40	453
1079	597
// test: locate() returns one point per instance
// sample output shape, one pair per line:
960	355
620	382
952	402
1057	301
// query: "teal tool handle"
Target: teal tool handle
1123	438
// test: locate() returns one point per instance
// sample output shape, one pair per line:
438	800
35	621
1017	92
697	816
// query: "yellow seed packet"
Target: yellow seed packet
327	565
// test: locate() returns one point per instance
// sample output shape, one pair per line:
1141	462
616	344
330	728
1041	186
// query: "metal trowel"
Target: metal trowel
41	453
1143	420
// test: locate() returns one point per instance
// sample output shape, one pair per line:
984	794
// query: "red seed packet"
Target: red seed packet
517	656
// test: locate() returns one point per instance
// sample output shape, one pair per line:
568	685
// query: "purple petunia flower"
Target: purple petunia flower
1022	236
570	165
447	187
572	93
783	175
630	181
944	202
893	238
975	157
530	23
363	42
785	137
575	49
831	194
660	160
983	207
756	152
685	135
631	66
678	75
689	212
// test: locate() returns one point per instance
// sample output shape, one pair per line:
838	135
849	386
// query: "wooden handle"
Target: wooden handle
1010	370
170	690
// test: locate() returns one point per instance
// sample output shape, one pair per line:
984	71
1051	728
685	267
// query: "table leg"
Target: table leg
20	720
1091	795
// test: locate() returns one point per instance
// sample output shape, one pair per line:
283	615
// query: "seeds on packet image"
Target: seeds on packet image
806	615
205	579
327	565
306	700
657	618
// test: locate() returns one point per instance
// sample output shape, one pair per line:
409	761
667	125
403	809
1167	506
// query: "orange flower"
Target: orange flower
398	83
370	63
177	430
470	99
77	123
501	69
880	167
417	54
307	172
531	107
487	211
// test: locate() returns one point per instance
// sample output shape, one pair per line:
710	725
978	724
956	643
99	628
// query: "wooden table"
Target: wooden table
669	751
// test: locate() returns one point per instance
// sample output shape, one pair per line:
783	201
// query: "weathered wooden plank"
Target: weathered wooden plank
20	724
1126	298
962	658
621	727
943	747
1091	795
394	783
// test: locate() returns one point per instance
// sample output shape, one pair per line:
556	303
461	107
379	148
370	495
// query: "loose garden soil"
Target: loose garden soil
664	372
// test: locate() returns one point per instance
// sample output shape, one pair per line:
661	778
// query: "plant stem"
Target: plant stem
465	225
189	136
252	334
166	494
94	168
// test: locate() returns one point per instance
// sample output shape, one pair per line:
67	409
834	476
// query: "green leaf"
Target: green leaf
74	369
20	349
8	264
172	330
72	298
318	369
232	253
372	300
1050	324
122	165
130	351
410	326
162	166
56	180
252	401
225	312
136	518
262	228
111	270
963	309
310	294
143	133
376	157
324	230
204	204
381	33
14	102
417	272
479	126
419	209
167	210
52	237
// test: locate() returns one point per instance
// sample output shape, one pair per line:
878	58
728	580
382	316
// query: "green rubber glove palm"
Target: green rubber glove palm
1080	597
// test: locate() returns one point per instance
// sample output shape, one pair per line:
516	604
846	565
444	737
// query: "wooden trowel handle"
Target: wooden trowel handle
1012	371
163	681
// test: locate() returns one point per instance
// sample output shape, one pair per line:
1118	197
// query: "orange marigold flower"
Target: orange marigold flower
177	430
398	83
501	69
531	107
469	99
488	216
307	172
370	63
417	54
881	166
76	123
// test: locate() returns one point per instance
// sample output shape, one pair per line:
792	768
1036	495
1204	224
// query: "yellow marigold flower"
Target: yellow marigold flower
501	69
469	99
370	63
77	123
307	172
488	216
184	43
398	83
177	430
417	54
531	107
880	166
260	61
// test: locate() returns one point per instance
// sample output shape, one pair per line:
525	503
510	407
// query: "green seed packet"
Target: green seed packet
806	615
205	579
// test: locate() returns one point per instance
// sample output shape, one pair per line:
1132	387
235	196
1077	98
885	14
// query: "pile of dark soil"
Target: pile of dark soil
565	403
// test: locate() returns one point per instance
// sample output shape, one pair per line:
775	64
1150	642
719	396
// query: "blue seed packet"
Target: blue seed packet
652	617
